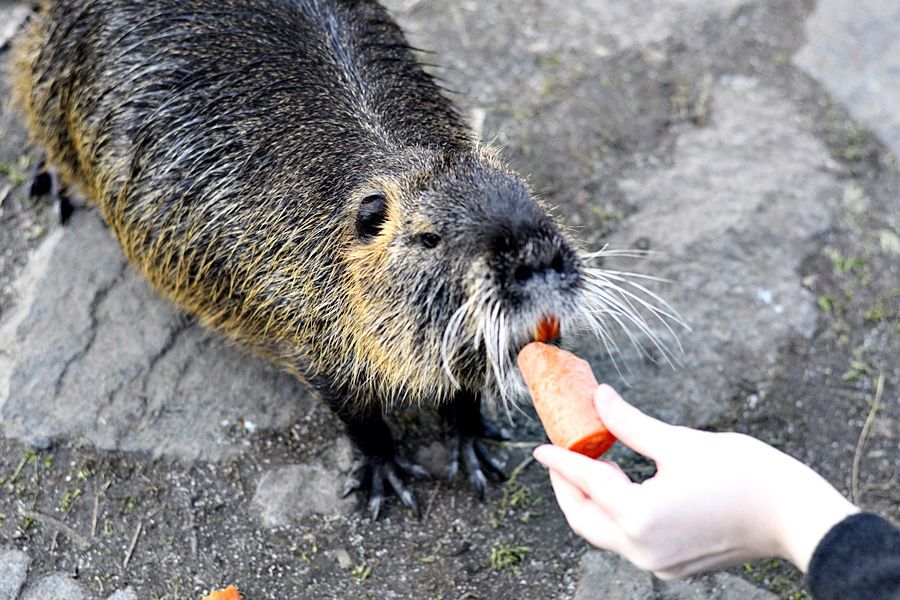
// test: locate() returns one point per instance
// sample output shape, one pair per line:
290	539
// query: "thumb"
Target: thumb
641	433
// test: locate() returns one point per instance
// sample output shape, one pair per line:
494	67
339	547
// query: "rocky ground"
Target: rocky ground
753	143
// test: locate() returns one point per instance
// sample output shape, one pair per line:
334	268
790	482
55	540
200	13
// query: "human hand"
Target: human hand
717	499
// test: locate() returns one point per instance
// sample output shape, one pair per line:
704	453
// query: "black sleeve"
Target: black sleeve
859	558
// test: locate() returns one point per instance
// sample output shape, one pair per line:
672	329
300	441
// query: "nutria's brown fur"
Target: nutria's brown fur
287	171
237	218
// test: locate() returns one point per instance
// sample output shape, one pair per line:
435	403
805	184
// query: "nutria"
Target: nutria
288	172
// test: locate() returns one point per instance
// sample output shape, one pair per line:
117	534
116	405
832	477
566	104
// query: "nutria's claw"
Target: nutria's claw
350	486
493	432
493	465
412	469
474	454
373	472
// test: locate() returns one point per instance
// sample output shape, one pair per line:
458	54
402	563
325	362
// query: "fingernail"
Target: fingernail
539	452
605	396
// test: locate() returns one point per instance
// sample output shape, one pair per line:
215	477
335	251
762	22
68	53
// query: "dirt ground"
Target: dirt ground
581	111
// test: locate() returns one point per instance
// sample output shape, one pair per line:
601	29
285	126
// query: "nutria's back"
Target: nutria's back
226	143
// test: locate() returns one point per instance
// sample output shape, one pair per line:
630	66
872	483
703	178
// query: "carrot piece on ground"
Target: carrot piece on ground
229	593
562	388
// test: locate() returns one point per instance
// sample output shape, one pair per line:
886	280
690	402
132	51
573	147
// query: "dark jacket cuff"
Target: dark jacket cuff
858	558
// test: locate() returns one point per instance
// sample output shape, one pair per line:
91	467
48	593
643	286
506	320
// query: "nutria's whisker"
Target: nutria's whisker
493	347
634	275
503	344
482	321
665	315
606	306
622	303
609	344
493	331
605	252
450	340
623	276
477	312
614	296
621	307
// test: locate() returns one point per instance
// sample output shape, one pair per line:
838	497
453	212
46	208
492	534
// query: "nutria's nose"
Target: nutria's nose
526	252
551	263
536	262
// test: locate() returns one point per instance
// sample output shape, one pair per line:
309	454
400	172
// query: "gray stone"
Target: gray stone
96	354
475	36
13	571
717	586
731	217
287	494
343	558
853	48
639	23
126	594
434	457
11	18
605	575
55	587
611	577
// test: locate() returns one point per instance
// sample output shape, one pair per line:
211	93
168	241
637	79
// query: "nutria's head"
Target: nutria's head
453	264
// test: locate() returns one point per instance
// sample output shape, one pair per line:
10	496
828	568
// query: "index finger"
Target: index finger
604	483
640	432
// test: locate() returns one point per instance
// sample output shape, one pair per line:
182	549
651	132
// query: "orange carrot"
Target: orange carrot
562	388
229	593
547	329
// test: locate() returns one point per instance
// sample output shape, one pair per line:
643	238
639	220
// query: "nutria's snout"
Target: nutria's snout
538	274
522	271
534	263
527	260
531	283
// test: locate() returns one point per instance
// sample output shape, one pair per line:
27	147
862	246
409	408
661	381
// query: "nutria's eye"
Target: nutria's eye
371	216
429	240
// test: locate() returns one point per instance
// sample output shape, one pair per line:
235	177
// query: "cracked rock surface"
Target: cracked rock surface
605	575
729	236
101	358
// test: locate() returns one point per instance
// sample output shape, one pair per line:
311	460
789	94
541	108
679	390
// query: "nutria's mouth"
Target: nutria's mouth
609	303
547	329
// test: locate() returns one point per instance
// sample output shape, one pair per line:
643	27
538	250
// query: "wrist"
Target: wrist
807	518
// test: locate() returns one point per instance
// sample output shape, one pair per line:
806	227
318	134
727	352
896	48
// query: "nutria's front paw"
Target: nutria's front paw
373	473
475	455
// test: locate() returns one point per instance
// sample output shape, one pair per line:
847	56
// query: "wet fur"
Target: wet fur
228	148
233	188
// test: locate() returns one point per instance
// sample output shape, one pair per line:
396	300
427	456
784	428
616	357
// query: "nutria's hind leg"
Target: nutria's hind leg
45	182
378	469
42	183
467	429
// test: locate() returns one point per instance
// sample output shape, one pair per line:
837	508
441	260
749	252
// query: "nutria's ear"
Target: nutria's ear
371	216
